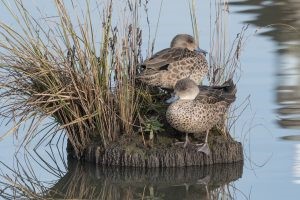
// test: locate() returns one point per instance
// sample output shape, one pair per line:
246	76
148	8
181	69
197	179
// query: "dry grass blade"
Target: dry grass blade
63	71
194	20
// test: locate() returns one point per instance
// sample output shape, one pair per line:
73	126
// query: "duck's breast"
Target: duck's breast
190	118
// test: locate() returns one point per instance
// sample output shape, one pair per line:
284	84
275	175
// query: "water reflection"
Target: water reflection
87	181
282	17
296	167
90	182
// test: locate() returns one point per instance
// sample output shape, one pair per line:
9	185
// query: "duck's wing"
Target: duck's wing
213	94
208	95
163	58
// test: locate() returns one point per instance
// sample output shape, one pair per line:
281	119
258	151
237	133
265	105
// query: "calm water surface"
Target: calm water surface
268	128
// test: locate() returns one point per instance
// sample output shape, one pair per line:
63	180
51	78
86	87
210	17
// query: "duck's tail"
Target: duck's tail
229	86
229	91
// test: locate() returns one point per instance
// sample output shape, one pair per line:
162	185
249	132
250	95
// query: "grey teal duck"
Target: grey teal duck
183	59
196	109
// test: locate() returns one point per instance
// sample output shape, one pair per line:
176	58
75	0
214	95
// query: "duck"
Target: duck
183	59
197	109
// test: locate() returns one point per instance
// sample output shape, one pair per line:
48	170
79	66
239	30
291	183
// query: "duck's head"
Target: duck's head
185	89
186	41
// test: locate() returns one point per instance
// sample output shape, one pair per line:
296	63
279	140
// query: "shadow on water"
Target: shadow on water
282	19
88	181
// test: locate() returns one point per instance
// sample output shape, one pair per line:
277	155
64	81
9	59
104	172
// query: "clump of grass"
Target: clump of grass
59	67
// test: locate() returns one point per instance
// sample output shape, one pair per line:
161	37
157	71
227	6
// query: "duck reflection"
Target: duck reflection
283	19
87	181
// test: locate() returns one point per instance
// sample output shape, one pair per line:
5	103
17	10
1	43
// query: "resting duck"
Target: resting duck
183	59
196	109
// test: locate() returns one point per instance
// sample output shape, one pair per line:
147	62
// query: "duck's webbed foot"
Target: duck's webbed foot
204	148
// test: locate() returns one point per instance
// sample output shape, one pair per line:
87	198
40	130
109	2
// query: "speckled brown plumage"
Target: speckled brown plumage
179	61
199	108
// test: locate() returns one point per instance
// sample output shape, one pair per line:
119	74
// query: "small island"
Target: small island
131	152
81	75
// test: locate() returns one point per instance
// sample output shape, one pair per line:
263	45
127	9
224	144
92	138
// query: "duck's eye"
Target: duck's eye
190	41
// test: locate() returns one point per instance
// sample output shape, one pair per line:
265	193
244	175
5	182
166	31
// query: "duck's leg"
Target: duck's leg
223	125
186	143
205	181
205	148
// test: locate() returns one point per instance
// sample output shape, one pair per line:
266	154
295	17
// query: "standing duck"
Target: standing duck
183	59
196	109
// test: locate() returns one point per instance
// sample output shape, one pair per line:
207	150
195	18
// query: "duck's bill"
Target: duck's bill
201	51
172	99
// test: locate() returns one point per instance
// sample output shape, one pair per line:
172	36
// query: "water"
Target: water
268	128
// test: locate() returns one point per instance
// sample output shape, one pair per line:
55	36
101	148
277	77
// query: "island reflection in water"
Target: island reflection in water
90	182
